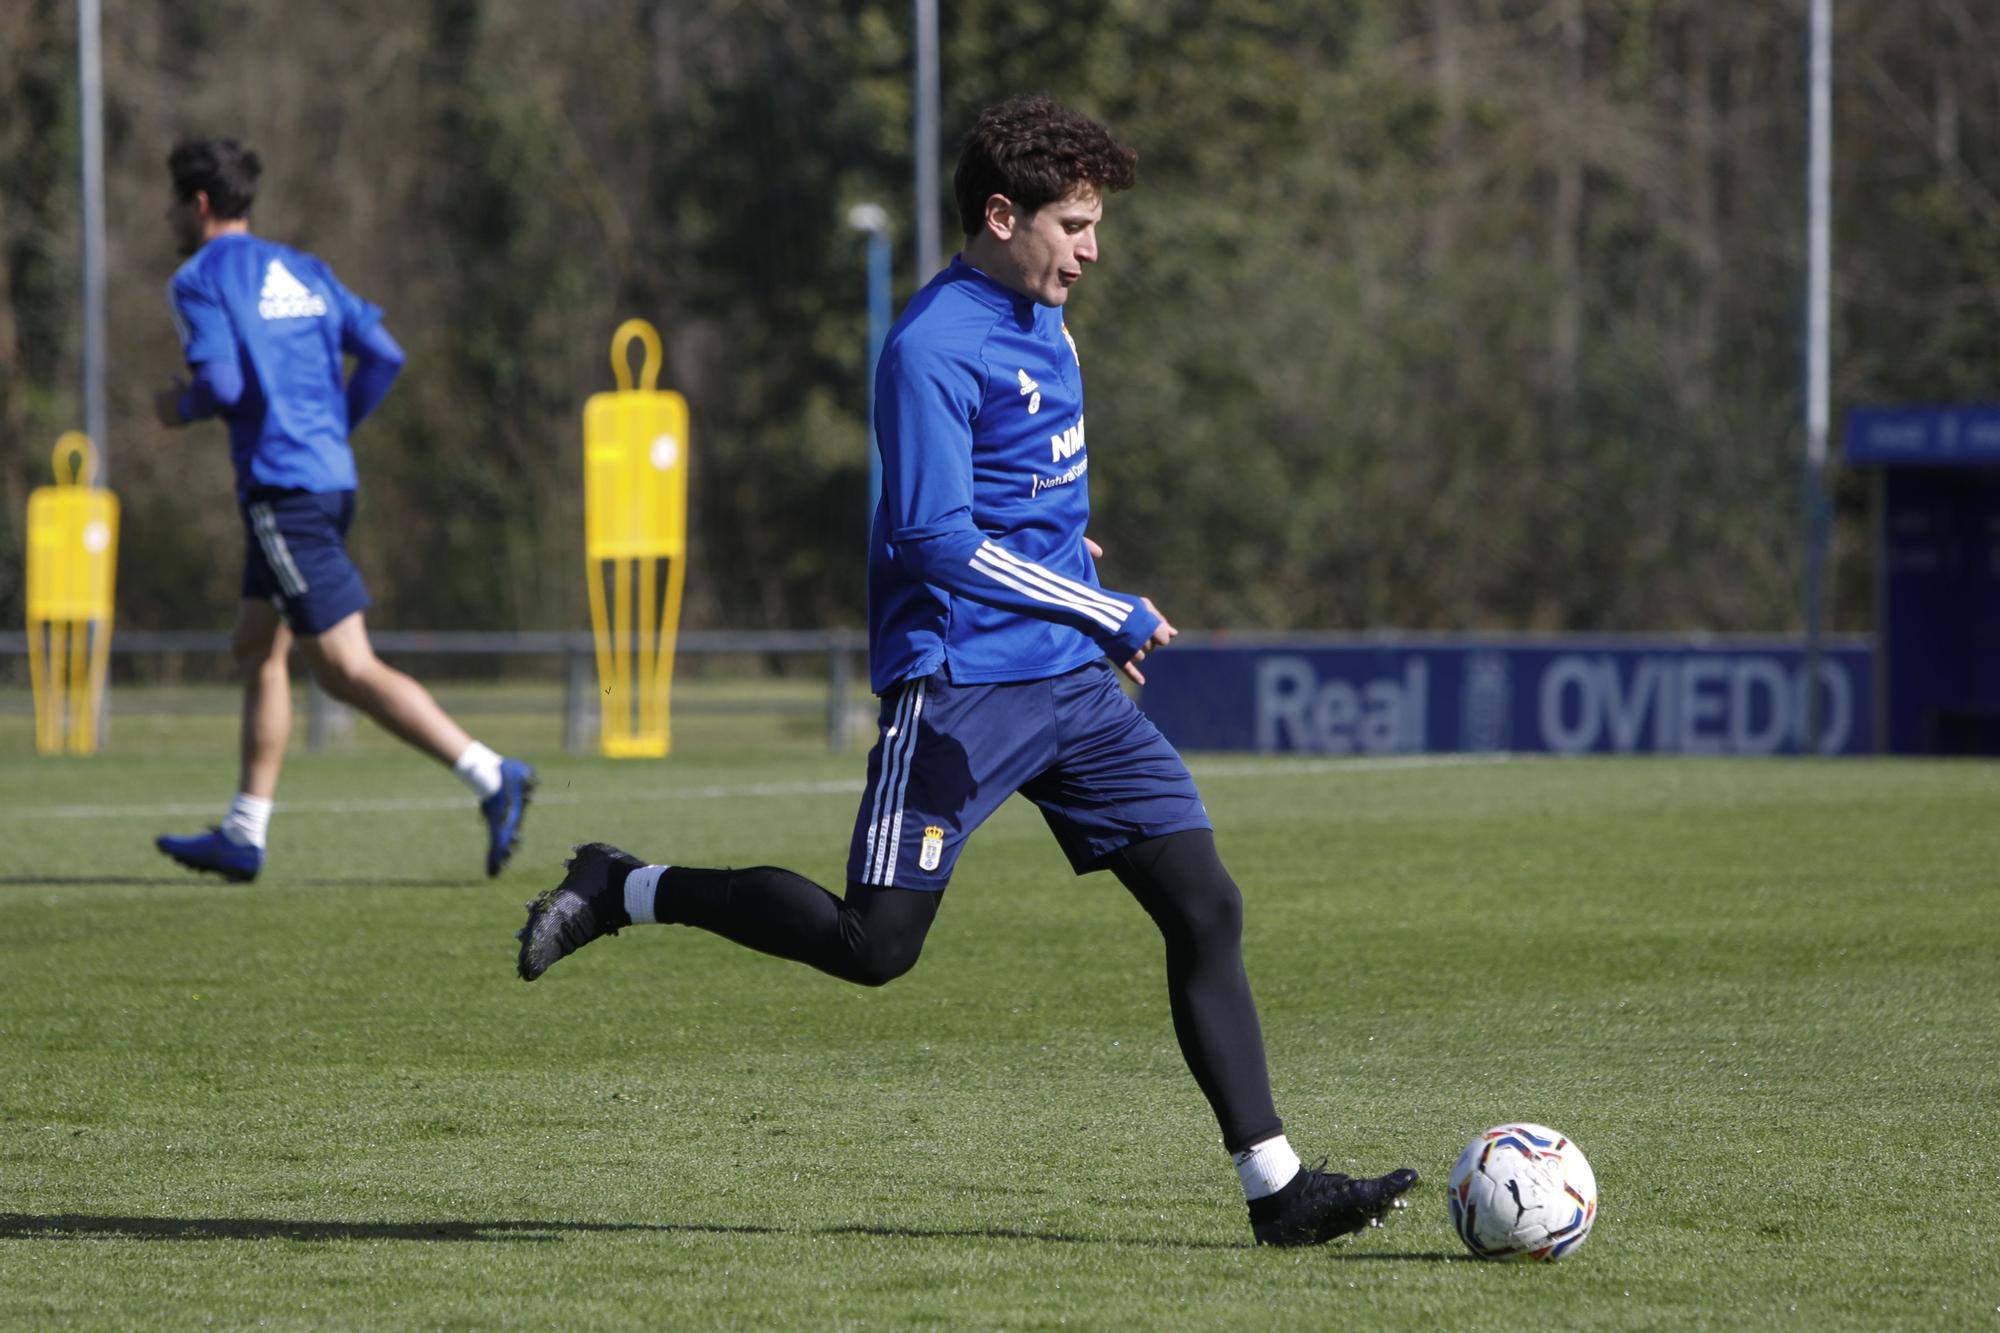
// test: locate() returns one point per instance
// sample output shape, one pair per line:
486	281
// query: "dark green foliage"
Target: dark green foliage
1469	314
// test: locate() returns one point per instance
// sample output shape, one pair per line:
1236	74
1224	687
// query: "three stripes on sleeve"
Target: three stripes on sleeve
1032	580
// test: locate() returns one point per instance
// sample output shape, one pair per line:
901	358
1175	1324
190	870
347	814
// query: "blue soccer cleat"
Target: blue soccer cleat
213	852
504	810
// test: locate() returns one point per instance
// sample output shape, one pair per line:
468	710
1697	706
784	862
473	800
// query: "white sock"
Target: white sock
1267	1167
640	887
248	820
479	769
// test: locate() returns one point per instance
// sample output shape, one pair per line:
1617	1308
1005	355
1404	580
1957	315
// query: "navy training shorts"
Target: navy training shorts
1076	745
296	557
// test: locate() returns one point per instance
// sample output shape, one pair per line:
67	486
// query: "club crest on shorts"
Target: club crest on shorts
933	848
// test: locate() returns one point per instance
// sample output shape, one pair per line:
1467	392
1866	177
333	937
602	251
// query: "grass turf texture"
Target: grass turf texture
1760	994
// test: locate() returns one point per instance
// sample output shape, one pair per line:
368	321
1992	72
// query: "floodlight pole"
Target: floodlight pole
874	219
90	95
924	141
1819	255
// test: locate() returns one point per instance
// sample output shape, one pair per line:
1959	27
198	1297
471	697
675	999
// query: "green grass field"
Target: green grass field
1763	996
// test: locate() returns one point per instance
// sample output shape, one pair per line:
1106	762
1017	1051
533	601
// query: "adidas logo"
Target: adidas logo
285	297
1029	387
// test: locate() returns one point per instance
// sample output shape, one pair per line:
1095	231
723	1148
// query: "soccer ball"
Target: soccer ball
1524	1193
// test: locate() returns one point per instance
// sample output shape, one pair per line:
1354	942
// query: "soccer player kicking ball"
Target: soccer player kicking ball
988	641
265	329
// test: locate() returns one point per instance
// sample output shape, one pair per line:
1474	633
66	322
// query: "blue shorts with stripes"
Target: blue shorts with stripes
296	557
947	755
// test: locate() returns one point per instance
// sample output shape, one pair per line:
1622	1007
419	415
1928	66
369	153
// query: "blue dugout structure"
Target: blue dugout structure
1937	514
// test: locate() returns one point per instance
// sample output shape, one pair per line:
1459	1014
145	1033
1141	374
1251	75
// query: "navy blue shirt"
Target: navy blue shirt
280	320
976	561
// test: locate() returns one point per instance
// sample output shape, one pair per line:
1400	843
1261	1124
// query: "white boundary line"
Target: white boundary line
393	805
1276	768
1226	768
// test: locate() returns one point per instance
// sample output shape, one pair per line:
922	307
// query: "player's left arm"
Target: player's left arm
377	361
1162	632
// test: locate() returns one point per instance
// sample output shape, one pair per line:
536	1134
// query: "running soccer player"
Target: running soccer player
993	646
265	329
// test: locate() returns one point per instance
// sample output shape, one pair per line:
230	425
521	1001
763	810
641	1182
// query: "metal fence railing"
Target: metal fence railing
576	648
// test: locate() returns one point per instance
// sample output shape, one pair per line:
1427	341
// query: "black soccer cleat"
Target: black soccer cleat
576	911
1317	1206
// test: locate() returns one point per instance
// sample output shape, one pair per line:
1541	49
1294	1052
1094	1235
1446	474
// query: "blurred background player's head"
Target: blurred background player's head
215	180
1035	151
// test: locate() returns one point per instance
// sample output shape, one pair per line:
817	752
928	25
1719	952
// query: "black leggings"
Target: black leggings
1181	883
871	937
874	936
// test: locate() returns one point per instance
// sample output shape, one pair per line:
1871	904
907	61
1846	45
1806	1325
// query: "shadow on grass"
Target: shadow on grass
74	1226
1124	1242
93	881
382	882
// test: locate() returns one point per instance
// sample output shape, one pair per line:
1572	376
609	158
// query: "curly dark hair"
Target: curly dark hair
222	169
1035	151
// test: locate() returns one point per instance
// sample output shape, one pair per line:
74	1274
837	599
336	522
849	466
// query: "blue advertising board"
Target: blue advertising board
1560	695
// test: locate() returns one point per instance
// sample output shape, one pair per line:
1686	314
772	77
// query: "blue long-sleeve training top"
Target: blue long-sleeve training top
265	329
976	561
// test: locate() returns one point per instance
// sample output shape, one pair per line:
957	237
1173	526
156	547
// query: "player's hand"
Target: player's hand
1162	632
167	404
1158	639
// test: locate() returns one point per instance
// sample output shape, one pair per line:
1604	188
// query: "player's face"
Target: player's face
1050	246
185	217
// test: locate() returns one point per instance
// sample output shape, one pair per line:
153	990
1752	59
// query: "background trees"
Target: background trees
1447	313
